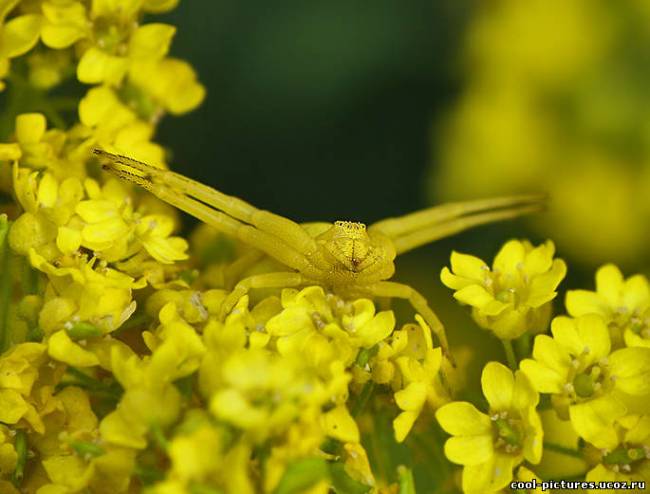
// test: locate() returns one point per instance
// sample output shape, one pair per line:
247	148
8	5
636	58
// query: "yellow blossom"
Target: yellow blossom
623	303
584	379
490	446
19	369
17	36
629	461
418	379
515	295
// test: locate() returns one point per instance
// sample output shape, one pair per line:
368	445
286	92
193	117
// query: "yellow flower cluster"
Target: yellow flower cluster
118	370
593	370
515	295
554	101
121	371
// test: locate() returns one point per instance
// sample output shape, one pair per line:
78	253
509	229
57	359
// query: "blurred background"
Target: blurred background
327	110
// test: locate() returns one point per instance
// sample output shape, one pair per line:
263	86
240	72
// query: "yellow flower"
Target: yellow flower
263	393
63	154
309	320
575	366
19	370
515	295
170	82
8	455
490	446
114	126
49	207
84	291
623	303
417	376
512	65
18	35
629	461
118	47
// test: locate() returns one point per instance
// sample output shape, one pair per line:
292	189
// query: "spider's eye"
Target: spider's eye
351	227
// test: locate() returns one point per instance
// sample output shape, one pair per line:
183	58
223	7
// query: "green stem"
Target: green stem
363	398
21	452
510	354
522	344
563	450
5	284
406	483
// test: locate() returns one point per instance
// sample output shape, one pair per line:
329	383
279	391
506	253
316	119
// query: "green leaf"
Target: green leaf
302	474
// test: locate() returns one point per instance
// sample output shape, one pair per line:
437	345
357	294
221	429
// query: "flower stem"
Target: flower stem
510	354
563	450
5	284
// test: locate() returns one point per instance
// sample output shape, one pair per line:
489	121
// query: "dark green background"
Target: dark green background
325	110
317	110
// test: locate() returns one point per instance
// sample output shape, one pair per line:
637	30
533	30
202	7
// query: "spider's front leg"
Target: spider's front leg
419	303
281	279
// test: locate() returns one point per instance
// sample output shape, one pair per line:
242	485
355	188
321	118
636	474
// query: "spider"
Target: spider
345	257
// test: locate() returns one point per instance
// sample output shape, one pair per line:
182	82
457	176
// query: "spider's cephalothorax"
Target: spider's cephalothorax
346	257
351	254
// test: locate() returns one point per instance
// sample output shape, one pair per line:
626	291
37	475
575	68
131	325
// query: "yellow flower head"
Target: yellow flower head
623	303
629	461
19	370
515	295
18	35
576	367
490	446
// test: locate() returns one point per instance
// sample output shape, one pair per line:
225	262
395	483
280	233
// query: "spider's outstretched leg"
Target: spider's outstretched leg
418	302
420	228
267	280
266	234
145	175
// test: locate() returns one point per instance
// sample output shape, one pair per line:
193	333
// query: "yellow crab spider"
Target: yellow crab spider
344	257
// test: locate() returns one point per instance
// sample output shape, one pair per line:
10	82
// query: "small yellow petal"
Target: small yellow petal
544	379
469	450
30	127
339	424
377	329
467	266
412	397
65	23
97	66
594	421
509	258
609	283
20	34
47	191
631	369
463	419
62	348
68	240
151	41
581	302
498	385
402	425
10	152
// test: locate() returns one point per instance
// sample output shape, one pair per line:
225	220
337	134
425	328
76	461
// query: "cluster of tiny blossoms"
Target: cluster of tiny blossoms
118	372
592	372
